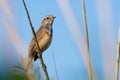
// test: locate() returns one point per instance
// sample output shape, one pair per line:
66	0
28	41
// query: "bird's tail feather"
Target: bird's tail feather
28	63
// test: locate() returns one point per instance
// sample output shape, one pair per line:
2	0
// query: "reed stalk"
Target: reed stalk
34	35
117	58
87	42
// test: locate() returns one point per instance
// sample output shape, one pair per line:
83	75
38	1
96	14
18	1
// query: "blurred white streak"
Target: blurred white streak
106	28
6	9
9	23
73	25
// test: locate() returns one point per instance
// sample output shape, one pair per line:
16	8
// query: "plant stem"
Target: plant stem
87	42
117	57
33	32
55	65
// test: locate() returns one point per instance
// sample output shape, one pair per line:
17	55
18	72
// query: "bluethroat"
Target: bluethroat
44	38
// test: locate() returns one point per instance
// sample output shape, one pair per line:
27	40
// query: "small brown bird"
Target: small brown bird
44	38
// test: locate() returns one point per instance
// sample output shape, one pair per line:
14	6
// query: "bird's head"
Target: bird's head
48	20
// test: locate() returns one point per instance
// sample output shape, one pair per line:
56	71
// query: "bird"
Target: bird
44	38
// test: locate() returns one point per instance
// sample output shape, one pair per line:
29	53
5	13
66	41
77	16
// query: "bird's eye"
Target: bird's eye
47	18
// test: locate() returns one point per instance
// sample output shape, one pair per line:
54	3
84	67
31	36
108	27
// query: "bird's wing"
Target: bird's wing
45	39
32	46
42	40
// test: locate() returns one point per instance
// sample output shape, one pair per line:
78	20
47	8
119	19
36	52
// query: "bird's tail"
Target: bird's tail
29	61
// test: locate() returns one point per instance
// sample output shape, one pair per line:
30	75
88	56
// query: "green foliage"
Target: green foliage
18	73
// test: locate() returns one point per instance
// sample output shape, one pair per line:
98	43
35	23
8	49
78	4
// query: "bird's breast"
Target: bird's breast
45	41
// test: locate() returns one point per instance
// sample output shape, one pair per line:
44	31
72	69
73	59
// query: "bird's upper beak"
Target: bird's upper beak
54	17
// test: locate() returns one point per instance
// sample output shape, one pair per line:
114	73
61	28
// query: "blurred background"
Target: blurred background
67	48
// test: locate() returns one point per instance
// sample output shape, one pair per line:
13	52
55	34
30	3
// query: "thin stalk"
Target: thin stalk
117	57
87	42
55	65
34	35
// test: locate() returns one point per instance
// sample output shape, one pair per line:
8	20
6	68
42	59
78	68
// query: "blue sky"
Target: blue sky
103	20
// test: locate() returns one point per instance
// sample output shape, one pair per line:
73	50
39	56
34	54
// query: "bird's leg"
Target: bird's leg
39	53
